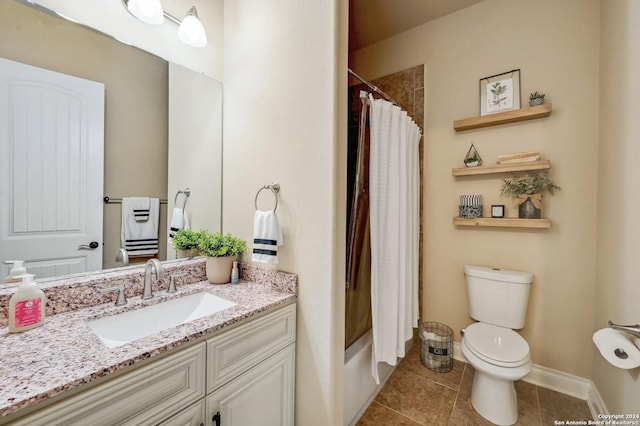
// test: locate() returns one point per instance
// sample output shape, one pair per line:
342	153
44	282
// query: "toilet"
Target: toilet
498	301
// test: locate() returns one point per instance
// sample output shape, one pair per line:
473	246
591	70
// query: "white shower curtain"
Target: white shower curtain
394	209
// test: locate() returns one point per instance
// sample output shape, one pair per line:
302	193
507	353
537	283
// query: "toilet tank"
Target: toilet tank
498	296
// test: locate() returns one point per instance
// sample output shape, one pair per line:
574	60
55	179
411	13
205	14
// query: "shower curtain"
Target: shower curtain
358	274
394	221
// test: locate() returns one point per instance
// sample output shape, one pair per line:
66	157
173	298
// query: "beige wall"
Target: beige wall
135	102
618	292
555	44
284	117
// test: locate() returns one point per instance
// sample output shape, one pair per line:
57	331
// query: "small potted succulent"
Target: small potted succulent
221	251
185	242
536	98
527	190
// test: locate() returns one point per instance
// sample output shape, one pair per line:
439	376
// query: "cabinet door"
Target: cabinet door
194	415
262	396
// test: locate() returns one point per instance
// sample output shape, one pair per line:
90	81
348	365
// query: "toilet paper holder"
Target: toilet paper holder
634	330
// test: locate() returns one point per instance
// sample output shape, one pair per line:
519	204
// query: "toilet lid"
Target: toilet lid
497	345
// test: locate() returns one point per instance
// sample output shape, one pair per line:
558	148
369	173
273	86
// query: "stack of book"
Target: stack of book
521	157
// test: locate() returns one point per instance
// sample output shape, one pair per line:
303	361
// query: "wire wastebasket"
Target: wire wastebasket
436	346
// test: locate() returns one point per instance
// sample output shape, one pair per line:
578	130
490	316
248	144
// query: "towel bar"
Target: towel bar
110	200
275	188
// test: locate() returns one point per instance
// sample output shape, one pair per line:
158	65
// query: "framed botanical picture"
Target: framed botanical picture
500	92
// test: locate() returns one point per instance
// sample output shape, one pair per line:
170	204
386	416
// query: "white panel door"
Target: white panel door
51	170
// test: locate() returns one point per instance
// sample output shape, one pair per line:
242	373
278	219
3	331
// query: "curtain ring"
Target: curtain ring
275	188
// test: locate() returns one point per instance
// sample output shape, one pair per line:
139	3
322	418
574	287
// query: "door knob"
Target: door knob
91	246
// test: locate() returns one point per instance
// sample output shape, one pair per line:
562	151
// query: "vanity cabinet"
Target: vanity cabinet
245	376
146	395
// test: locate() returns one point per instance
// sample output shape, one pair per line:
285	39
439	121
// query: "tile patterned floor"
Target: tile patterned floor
415	395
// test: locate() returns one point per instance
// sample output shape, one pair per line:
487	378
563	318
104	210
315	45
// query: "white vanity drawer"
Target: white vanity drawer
145	396
232	353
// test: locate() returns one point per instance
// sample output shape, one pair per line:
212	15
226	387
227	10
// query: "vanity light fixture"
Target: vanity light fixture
190	30
149	11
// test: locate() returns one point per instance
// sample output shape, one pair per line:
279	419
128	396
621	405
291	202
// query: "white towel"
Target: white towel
267	236
179	220
140	207
139	238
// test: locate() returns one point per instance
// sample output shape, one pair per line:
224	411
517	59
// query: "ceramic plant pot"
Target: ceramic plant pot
187	254
527	210
219	269
536	101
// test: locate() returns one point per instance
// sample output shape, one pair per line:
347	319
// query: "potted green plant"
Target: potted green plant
221	251
185	242
536	98
527	190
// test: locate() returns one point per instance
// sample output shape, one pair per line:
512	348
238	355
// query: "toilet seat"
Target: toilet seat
497	345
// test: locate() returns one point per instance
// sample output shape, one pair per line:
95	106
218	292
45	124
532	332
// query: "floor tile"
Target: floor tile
415	395
467	380
558	406
413	364
465	415
418	398
528	410
377	415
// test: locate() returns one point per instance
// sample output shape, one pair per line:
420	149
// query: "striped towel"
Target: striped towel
267	236
139	238
179	220
140	207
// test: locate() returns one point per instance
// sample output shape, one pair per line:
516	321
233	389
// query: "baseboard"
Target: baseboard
558	381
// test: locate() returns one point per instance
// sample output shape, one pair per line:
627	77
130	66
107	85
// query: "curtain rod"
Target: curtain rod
372	87
375	89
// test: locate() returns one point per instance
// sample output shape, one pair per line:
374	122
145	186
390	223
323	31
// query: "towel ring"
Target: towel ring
275	188
186	192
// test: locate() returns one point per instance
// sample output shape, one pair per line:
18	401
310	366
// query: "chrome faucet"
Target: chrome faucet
151	263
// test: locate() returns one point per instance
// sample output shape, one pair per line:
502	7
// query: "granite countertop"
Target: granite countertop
64	353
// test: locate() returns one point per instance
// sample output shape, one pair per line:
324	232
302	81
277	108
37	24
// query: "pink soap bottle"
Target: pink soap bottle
26	306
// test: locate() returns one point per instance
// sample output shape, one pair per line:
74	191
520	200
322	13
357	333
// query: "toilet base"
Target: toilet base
494	399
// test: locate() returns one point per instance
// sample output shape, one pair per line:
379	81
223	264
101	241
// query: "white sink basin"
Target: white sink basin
120	329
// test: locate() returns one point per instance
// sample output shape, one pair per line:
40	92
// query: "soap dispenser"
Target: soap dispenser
26	306
234	273
16	273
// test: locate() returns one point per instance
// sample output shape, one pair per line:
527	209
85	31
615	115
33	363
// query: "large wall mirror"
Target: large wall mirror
162	129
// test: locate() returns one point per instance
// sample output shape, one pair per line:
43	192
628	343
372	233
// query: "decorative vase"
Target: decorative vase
219	269
528	210
536	101
187	253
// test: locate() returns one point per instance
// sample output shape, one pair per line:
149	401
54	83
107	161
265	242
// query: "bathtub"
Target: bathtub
359	387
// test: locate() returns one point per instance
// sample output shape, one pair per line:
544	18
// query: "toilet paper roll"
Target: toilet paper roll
617	348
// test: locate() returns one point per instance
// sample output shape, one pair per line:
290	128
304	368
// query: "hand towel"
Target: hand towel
267	236
179	220
139	238
140	207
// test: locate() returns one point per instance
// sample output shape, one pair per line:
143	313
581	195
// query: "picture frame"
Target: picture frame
497	210
500	92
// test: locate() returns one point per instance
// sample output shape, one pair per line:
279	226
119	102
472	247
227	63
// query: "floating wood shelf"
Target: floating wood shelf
513	116
501	168
503	222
